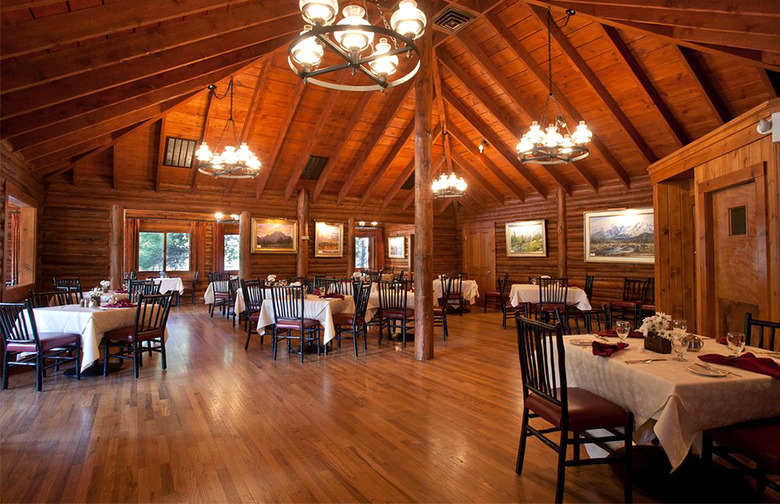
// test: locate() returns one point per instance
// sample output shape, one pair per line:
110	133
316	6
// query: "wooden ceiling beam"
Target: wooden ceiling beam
377	132
206	53
381	169
704	85
771	82
49	32
629	60
754	7
284	130
592	81
407	171
160	155
435	173
409	199
477	177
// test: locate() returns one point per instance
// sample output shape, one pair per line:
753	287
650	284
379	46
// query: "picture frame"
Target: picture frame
526	238
328	239
396	247
620	236
274	236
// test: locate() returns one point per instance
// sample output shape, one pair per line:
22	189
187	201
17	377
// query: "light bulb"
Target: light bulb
582	134
386	65
308	52
552	138
354	41
374	223
253	163
524	146
219	215
203	153
362	223
408	20
319	12
216	161
566	145
229	156
243	153
235	216
535	134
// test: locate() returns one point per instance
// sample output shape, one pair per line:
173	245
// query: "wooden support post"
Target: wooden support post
302	261
423	208
563	248
350	247
244	245
116	265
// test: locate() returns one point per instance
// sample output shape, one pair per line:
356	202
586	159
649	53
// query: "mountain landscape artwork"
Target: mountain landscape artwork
328	240
620	236
274	236
526	239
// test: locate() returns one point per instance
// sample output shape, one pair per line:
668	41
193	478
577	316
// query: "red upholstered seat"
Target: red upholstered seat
398	314
648	307
126	334
758	440
295	324
48	340
494	294
438	310
343	318
625	304
255	316
586	411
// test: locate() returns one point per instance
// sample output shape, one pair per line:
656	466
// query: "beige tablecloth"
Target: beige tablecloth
527	293
469	288
668	401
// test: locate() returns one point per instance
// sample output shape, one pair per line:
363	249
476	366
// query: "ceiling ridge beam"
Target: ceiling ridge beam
704	85
594	83
381	169
759	7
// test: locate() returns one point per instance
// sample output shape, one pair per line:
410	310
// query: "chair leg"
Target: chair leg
105	358
78	360
403	332
211	310
248	336
162	352
444	333
39	372
5	369
274	342
628	482
302	338
354	339
136	358
561	479
521	446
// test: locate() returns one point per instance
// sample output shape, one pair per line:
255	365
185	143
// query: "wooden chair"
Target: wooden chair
289	316
757	327
399	277
440	309
151	317
355	323
221	290
234	284
575	321
394	310
498	296
569	410
131	275
455	295
20	335
629	307
254	295
553	293
195	286
141	287
51	298
647	306
73	284
589	287
324	285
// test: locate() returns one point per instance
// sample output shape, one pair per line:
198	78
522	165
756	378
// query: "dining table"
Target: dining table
314	307
672	401
529	293
469	289
168	284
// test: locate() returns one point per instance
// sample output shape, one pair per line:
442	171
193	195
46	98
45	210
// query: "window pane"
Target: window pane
177	257
150	251
231	252
361	252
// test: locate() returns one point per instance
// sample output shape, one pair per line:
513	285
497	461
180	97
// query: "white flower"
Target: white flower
271	278
658	324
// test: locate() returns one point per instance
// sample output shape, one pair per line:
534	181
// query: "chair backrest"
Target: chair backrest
502	284
400	276
288	302
634	289
649	294
195	279
455	285
221	286
233	285
131	275
56	297
361	292
553	291
446	287
765	330
67	283
574	321
141	287
589	286
17	323
325	285
254	295
542	360
151	313
392	295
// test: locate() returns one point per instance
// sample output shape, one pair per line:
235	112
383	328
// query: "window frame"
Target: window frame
165	251
224	263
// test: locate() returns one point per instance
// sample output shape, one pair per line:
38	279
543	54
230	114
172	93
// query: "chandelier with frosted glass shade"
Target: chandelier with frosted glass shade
554	144
448	186
365	49
231	162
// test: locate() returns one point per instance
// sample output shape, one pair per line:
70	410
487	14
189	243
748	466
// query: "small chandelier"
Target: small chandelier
448	186
352	39
233	163
226	219
554	145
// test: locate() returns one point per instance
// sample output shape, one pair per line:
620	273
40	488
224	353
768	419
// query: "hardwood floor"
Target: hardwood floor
225	425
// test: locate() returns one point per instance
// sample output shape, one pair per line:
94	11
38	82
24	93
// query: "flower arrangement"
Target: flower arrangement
657	325
271	278
94	296
357	274
105	285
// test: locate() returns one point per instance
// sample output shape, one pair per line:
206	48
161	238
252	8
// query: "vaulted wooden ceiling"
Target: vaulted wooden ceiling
93	87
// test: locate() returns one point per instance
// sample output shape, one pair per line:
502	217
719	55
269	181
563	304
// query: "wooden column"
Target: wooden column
563	244
302	262
350	247
245	245
423	196
116	267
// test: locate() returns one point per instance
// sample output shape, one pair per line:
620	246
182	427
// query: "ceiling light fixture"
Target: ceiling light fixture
448	186
226	219
482	146
554	145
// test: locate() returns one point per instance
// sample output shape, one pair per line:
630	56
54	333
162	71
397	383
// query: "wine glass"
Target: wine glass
680	325
622	328
680	342
533	280
736	342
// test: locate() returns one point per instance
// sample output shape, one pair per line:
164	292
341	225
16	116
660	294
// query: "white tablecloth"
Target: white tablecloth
106	297
527	293
169	284
315	308
469	289
668	401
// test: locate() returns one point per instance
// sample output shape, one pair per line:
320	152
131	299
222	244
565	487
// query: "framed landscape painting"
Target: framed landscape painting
274	236
526	239
620	236
396	246
328	240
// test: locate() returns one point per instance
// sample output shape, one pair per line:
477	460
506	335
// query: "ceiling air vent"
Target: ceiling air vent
409	184
452	19
314	167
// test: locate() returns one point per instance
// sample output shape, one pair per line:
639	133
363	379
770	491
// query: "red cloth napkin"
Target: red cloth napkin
121	291
122	303
611	333
746	361
332	296
607	349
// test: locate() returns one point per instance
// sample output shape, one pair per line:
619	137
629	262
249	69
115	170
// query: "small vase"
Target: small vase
656	343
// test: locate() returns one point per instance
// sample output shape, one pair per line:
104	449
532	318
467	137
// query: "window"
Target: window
163	251
179	152
362	252
231	252
738	221
19	261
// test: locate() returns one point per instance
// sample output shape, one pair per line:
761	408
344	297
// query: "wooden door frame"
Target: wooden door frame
705	225
473	226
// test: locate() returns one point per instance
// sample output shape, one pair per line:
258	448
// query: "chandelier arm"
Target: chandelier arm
364	88
371	76
330	44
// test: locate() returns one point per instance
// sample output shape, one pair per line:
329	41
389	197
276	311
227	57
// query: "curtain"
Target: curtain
379	246
132	228
16	241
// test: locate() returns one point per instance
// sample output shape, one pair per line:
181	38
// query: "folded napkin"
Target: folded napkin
611	333
316	292
332	295
122	303
746	361
121	291
607	349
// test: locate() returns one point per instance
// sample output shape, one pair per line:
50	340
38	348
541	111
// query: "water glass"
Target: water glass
736	342
680	342
680	325
622	328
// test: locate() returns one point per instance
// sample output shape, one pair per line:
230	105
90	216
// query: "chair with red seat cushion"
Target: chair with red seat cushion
440	309
254	295
355	323
393	308
288	306
151	317
498	296
221	289
569	410
630	306
575	321
20	334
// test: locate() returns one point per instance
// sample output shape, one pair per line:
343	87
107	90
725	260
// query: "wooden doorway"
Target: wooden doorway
479	254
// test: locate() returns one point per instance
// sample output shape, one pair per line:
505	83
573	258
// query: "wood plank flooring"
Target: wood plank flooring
225	425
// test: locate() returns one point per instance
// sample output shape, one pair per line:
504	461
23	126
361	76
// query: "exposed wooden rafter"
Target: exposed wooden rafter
160	155
407	171
475	176
381	169
708	92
